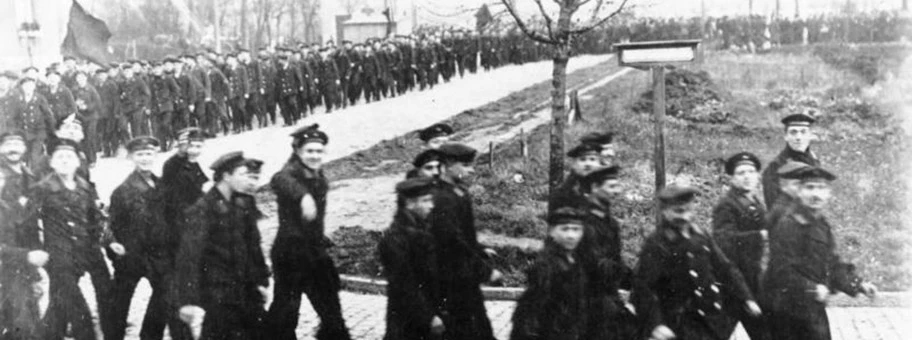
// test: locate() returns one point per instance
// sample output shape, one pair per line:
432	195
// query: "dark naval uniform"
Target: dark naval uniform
553	307
130	226
600	251
165	92
34	117
410	266
803	255
462	263
221	265
683	284
300	261
72	230
738	221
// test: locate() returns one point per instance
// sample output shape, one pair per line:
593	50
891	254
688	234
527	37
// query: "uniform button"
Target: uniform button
73	237
690	255
693	273
69	223
705	248
717	305
701	312
698	293
714	288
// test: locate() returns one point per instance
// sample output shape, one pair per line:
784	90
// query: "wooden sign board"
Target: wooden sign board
659	53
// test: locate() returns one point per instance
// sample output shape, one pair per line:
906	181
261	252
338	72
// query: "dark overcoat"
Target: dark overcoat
738	221
221	265
682	283
554	304
462	262
803	255
410	266
128	201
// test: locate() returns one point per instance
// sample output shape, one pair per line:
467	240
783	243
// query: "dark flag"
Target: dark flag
483	17
87	36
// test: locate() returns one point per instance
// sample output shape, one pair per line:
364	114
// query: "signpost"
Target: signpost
657	55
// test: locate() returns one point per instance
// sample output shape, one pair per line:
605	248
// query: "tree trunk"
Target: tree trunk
216	19
244	38
558	116
292	12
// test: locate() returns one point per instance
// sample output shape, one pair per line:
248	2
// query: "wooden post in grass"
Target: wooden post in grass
491	154
655	56
658	111
523	149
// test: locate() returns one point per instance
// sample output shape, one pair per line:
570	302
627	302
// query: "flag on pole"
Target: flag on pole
87	36
483	18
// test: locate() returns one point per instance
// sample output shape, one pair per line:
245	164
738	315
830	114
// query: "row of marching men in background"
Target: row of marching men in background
768	260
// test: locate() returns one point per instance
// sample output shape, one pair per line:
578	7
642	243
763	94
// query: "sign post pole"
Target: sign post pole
658	110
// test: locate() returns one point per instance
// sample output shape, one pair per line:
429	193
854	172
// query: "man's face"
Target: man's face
790	186
70	64
64	162
461	171
53	79
608	190
585	164
312	154
102	77
238	179
814	194
143	159
13	150
71	131
436	142
128	73
253	181
193	149
568	235
82	80
5	84
429	170
609	153
28	87
745	177
798	137
679	215
421	205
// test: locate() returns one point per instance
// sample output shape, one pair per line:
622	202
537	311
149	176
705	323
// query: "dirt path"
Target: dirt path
370	202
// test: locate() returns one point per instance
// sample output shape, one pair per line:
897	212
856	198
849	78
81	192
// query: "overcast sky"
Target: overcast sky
460	12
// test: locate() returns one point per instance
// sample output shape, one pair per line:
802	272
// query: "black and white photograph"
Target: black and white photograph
455	170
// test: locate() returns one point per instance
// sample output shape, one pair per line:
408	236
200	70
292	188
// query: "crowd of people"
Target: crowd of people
768	260
756	32
226	93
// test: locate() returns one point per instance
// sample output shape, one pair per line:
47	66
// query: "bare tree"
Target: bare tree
559	34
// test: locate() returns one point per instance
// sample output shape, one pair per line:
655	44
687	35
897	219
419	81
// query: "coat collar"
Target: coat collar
301	169
56	183
137	180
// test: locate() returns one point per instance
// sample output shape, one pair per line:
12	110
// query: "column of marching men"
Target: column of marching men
225	93
768	263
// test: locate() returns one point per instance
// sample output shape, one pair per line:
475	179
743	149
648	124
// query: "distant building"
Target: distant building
33	28
365	19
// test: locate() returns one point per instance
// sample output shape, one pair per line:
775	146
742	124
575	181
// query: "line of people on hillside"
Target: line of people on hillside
770	264
230	92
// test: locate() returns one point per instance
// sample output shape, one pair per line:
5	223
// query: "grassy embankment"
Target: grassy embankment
859	140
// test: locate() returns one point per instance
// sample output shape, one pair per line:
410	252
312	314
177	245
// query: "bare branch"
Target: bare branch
548	20
522	25
597	9
585	29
